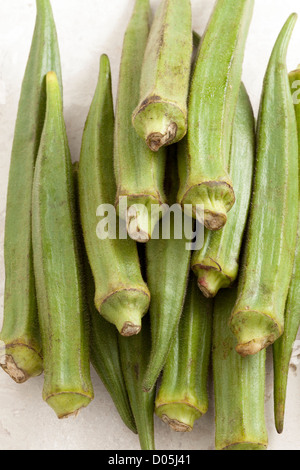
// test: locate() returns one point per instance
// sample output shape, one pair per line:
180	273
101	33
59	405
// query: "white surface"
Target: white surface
85	30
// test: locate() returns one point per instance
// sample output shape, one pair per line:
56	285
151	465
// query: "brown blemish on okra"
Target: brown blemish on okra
156	140
16	373
176	425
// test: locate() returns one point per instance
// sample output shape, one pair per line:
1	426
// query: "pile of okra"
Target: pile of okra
172	247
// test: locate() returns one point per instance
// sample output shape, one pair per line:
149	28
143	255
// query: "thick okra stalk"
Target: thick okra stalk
20	351
134	354
239	386
139	171
203	165
121	296
168	264
161	116
182	396
216	263
283	347
57	267
258	317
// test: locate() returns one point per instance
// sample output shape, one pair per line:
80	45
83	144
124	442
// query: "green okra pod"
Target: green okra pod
258	317
104	346
121	295
283	347
166	282
57	267
139	171
216	263
134	354
21	351
182	397
161	116
239	386
205	186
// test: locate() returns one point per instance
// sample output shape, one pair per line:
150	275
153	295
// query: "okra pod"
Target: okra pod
121	295
20	351
57	267
239	386
104	347
139	171
205	186
216	263
161	116
283	347
134	354
182	396
166	282
258	317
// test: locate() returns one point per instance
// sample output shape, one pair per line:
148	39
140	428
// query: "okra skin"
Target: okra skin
57	266
21	355
139	172
166	282
134	353
121	295
258	317
283	347
203	164
182	397
216	263
161	116
239	385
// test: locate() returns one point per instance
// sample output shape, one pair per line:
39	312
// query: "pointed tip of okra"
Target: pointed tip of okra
279	417
67	404
129	329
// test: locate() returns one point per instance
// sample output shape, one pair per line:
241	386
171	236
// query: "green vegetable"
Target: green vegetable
258	317
139	172
20	350
58	273
216	263
239	386
161	116
182	396
204	179
283	347
168	264
121	296
134	354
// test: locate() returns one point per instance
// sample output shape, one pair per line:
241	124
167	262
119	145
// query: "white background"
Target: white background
85	30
